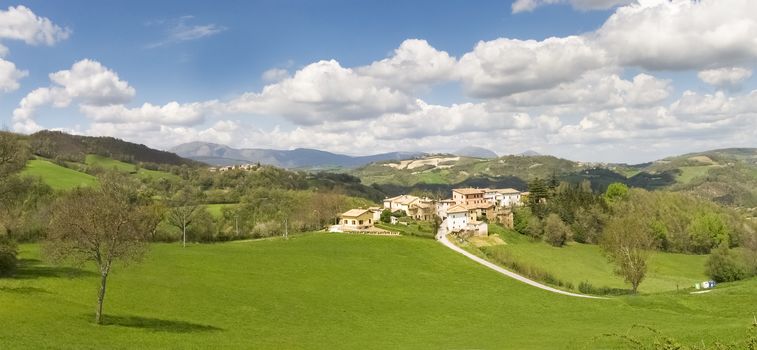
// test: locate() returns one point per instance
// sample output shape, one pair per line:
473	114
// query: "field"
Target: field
576	263
56	176
112	164
326	291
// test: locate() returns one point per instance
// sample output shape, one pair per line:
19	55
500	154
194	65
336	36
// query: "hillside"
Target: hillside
59	145
727	176
340	292
300	158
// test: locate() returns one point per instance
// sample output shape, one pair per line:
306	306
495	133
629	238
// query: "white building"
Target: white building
457	218
442	206
402	202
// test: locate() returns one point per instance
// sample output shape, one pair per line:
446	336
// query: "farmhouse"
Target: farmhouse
402	202
457	218
356	220
422	209
468	196
504	197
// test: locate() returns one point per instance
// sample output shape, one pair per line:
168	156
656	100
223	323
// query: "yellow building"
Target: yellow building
356	220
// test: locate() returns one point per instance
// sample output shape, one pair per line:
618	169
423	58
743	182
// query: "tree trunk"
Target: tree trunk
184	234
101	297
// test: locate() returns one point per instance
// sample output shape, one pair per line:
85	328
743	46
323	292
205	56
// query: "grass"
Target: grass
413	228
56	176
215	209
327	291
576	263
689	173
112	164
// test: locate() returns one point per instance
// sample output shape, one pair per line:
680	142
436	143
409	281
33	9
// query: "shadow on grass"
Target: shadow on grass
156	324
23	290
34	268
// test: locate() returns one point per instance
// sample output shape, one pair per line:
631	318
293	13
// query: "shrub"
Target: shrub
724	266
556	232
8	260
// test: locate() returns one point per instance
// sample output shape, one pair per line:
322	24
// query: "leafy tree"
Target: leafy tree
8	252
724	266
538	193
627	241
13	154
588	224
616	191
101	225
707	231
203	227
181	214
386	216
556	232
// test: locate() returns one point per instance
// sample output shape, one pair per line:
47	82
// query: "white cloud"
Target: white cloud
274	75
178	31
503	67
323	91
584	5
172	113
729	78
88	82
414	63
597	90
20	23
10	75
682	34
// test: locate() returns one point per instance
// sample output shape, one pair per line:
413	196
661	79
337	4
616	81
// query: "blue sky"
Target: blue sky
599	80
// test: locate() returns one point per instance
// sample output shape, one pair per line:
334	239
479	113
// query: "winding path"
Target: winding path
442	237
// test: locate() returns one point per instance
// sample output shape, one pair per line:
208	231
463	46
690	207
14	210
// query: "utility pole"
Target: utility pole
286	228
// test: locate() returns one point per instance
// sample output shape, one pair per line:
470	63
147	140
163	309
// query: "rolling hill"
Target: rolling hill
299	158
727	176
62	146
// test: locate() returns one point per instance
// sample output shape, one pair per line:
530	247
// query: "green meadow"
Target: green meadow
56	176
576	263
332	291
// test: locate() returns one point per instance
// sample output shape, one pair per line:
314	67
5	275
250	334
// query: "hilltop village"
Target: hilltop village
469	210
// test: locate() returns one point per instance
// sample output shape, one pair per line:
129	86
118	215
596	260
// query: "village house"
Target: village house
504	197
356	220
402	203
468	196
442	206
422	209
457	218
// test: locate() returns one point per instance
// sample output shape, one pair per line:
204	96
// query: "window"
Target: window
353	222
360	222
369	221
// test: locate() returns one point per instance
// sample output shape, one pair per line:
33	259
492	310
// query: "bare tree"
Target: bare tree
101	225
627	241
181	214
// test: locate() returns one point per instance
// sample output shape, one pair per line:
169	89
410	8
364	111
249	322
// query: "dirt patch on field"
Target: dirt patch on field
417	163
487	241
703	159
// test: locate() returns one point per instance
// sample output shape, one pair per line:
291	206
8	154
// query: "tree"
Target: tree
616	191
181	214
101	225
8	252
13	154
724	266
707	231
386	216
556	232
626	241
588	224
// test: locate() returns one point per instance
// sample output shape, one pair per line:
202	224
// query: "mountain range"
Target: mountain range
222	155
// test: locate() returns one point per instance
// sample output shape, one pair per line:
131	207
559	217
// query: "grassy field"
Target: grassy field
112	164
326	291
689	173
577	262
58	177
215	209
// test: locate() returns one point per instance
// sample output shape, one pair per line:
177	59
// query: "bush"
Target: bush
724	266
556	232
8	260
587	288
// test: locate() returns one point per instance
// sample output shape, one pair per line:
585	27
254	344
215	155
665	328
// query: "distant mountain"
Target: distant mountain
221	155
529	153
59	145
475	152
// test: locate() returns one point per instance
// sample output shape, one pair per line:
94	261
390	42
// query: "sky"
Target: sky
589	80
